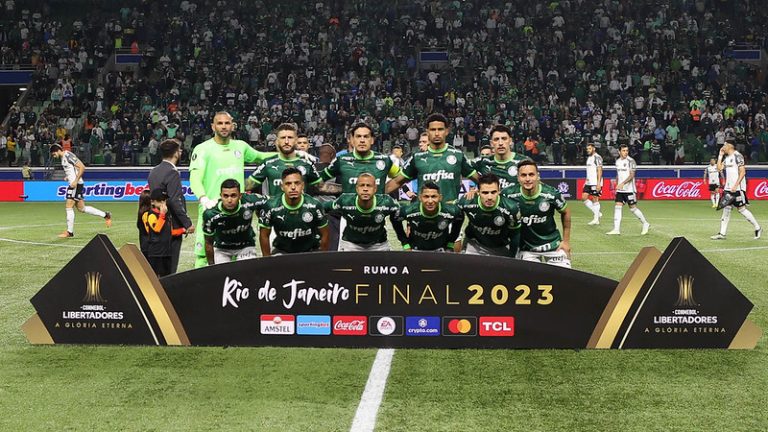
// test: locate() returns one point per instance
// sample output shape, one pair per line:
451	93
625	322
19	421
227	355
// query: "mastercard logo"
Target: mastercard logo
460	326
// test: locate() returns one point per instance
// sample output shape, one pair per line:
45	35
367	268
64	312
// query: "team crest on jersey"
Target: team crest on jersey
498	220
307	217
302	169
238	154
451	159
512	171
380	165
379	218
247	214
442	225
543	206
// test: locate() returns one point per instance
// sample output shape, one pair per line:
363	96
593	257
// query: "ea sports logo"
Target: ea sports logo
386	326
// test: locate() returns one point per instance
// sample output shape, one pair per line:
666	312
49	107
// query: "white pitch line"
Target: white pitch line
368	409
40	244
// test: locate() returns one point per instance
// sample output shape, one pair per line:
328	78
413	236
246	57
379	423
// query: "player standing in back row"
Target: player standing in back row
594	184
626	192
73	173
732	163
441	163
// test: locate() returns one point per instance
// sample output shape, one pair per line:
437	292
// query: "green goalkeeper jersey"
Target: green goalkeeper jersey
348	167
272	171
212	163
506	170
233	229
296	228
428	233
539	231
364	227
493	227
444	167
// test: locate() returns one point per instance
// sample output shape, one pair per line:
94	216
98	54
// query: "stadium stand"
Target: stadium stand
672	79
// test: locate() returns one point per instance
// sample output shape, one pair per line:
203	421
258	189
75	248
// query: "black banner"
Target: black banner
392	299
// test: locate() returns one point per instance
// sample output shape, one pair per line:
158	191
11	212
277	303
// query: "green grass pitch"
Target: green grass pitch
100	388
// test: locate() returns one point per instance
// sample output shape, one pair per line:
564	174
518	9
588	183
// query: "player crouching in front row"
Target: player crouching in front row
229	235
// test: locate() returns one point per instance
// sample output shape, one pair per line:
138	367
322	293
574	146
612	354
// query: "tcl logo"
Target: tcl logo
674	189
497	326
350	325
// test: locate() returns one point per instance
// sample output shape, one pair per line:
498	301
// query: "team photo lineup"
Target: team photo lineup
509	213
420	215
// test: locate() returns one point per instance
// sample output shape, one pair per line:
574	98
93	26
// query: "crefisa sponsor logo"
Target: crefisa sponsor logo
277	324
313	324
422	326
460	326
686	316
385	325
497	326
93	313
350	325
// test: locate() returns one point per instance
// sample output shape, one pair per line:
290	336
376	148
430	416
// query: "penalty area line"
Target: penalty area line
370	401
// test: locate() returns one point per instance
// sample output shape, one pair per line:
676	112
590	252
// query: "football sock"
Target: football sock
596	209
749	217
70	220
617	218
724	220
93	211
638	214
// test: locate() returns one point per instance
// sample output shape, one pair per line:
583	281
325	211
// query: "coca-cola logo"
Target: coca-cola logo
685	189
761	190
350	325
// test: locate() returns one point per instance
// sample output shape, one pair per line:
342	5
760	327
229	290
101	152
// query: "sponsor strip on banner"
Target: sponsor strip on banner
350	325
313	324
497	326
422	326
277	324
675	189
94	190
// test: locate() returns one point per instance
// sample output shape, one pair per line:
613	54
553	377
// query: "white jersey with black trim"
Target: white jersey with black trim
69	163
731	164
713	174
625	168
593	161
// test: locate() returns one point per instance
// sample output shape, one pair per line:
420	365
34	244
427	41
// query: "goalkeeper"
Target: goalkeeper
214	161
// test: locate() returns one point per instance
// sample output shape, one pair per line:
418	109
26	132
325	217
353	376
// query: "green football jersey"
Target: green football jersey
364	227
493	227
296	228
539	231
348	167
212	163
506	170
272	171
233	230
429	232
444	167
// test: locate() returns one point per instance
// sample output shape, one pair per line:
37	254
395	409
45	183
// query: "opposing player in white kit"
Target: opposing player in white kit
594	184
712	178
73	172
626	192
732	162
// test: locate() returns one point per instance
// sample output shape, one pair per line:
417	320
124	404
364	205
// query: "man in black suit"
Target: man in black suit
165	176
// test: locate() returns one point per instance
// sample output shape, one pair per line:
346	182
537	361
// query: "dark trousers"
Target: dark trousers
175	253
161	265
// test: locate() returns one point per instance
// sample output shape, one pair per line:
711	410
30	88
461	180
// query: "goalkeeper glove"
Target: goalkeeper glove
207	202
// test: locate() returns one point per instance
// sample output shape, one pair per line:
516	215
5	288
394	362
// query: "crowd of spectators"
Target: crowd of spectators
656	75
